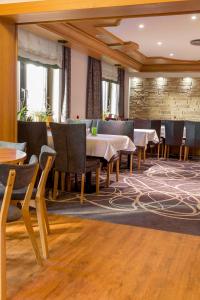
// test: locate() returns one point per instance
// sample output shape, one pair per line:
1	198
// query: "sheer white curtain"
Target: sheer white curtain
105	88
114	99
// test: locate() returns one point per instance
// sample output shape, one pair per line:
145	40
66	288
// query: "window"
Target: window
38	88
110	95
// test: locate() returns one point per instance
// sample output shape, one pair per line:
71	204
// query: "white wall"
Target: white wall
78	83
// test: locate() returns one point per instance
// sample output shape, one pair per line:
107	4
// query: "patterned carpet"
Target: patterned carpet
165	195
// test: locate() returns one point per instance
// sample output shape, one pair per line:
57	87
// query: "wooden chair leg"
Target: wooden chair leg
3	219
111	167
45	215
144	154
131	163
117	170
158	151
97	180
180	153
139	157
82	188
165	153
42	227
28	225
186	152
3	282
108	175
55	186
63	181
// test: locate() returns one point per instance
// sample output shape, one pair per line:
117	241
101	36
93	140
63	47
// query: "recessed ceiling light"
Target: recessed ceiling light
171	54
141	26
193	17
159	43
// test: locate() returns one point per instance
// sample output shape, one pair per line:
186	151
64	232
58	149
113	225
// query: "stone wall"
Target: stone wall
165	98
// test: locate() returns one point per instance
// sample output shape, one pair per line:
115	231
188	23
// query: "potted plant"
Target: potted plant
22	113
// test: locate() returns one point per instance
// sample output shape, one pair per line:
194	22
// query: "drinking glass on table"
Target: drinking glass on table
94	131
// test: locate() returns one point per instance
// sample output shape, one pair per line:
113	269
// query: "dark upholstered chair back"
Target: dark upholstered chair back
70	145
34	134
87	122
156	124
192	134
174	133
116	128
44	154
18	146
24	173
142	124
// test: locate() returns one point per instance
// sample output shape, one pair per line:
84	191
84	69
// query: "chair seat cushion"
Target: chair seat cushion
92	164
14	213
17	194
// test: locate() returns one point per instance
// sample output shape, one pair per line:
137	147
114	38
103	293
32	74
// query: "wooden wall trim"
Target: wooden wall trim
62	10
8	86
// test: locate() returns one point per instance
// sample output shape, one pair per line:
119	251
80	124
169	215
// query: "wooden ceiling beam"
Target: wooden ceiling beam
74	36
60	10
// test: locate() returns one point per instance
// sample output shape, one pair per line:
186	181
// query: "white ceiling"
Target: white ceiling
175	33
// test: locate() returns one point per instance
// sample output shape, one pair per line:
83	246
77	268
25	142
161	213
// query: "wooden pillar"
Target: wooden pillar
8	86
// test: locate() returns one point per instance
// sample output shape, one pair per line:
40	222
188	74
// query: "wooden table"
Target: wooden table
12	156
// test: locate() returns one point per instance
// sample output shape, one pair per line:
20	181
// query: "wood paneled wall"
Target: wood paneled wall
8	90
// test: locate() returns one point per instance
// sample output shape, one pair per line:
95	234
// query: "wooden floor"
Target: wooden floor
96	260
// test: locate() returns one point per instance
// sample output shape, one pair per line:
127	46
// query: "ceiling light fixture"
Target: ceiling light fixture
194	17
171	54
159	43
195	42
141	26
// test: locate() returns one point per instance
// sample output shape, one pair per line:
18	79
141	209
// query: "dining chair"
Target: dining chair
142	124
34	134
118	128
87	122
114	128
173	136
18	146
192	137
70	145
156	124
16	177
46	160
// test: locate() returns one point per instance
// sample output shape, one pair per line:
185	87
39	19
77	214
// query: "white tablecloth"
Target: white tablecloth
162	133
106	146
143	136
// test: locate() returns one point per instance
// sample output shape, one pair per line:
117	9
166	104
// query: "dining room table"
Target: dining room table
106	145
11	156
143	136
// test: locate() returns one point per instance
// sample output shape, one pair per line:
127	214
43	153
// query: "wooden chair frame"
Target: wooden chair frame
27	221
40	205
